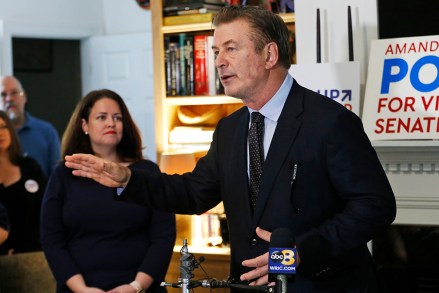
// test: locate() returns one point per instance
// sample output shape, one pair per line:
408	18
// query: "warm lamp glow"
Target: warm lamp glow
177	162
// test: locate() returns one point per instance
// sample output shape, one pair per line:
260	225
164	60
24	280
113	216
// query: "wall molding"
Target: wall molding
413	171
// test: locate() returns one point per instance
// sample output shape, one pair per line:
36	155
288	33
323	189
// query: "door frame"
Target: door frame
9	30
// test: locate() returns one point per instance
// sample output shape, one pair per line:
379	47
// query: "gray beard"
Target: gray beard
12	115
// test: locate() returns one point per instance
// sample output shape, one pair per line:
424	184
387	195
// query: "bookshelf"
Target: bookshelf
166	107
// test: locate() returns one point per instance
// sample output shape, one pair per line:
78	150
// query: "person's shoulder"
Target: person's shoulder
27	162
61	171
30	167
61	167
35	121
236	115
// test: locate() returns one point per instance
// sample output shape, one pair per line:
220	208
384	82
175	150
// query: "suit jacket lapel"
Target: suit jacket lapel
286	131
238	174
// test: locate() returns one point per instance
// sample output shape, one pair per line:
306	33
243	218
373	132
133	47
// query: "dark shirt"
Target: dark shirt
23	202
4	221
86	231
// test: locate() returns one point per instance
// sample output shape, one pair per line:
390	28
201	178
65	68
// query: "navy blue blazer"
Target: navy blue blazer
341	196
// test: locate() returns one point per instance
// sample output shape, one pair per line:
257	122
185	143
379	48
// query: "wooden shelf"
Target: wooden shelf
184	28
207	26
288	17
201	100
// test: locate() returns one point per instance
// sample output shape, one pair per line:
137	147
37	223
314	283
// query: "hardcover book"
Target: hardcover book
189	62
211	70
200	65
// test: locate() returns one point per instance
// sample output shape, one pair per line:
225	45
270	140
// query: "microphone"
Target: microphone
281	258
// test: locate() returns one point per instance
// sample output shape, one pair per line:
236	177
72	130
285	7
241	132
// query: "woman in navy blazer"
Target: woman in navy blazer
93	242
321	177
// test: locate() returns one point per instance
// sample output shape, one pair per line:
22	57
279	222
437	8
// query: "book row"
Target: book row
190	66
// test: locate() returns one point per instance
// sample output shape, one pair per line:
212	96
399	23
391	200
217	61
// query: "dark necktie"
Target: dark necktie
256	150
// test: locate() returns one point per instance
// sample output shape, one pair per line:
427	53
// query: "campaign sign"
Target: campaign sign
338	81
402	95
282	260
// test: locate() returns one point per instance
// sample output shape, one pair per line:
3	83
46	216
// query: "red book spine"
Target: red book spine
200	65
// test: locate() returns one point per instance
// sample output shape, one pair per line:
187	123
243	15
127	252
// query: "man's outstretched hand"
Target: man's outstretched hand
102	171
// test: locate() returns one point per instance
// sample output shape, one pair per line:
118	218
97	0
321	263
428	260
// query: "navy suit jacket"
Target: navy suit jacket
340	198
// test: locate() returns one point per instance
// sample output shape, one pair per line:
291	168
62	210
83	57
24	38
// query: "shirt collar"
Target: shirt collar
27	121
274	106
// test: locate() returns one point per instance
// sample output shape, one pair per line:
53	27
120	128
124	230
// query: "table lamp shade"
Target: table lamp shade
177	162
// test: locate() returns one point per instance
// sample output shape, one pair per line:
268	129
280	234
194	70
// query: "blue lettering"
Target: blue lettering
334	94
388	77
402	67
282	269
325	92
414	74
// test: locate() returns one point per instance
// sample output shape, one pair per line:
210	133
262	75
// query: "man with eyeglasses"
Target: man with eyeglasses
38	138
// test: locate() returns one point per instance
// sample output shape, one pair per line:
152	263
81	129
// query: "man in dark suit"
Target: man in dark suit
321	176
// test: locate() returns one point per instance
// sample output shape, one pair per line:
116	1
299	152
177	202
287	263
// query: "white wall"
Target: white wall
67	19
47	19
56	12
121	17
107	16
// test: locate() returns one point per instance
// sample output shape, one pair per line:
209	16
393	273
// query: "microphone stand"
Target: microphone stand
187	264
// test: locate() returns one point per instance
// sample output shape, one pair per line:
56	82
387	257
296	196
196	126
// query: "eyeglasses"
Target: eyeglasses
12	94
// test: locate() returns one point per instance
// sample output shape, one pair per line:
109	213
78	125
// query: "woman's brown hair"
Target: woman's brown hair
14	149
75	140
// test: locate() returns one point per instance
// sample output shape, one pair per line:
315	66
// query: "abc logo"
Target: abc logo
285	257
